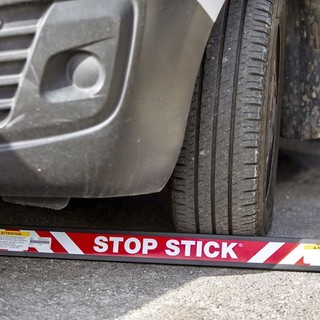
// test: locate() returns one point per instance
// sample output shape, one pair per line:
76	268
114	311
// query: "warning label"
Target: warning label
14	240
40	243
312	254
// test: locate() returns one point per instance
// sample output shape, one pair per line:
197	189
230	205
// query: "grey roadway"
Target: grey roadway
51	289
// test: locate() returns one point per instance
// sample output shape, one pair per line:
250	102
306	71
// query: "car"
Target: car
118	98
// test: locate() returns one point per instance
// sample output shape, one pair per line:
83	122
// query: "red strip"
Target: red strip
169	248
56	247
281	253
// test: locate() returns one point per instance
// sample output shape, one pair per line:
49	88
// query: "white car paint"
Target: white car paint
212	7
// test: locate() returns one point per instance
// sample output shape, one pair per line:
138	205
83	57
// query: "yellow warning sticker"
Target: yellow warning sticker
14	233
312	247
14	240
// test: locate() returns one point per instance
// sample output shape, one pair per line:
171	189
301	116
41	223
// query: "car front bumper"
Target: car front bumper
102	102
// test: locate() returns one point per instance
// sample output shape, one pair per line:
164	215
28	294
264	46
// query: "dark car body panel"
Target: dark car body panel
123	138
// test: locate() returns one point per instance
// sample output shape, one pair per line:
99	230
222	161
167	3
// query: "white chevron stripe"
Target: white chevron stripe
294	256
266	252
212	7
67	243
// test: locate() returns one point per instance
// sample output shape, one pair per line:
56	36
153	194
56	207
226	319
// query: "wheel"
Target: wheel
224	180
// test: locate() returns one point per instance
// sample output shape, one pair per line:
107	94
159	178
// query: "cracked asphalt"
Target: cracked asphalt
53	289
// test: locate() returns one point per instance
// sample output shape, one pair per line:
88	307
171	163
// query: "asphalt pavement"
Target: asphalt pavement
55	289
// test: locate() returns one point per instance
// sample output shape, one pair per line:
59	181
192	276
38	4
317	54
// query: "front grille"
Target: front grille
18	26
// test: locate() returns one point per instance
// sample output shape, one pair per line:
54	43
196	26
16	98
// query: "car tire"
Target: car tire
224	180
